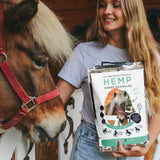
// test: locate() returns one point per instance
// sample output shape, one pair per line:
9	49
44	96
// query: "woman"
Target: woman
119	33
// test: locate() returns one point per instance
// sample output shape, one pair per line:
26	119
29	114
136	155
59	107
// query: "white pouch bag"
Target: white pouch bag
118	97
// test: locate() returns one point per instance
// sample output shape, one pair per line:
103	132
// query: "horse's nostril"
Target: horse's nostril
42	134
63	125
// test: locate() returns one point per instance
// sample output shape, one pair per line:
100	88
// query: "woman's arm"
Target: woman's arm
136	151
66	89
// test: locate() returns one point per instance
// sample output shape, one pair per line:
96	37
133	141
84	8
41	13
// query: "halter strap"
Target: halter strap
1	19
14	82
29	103
20	91
33	102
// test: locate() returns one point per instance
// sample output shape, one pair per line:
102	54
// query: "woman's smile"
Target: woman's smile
111	15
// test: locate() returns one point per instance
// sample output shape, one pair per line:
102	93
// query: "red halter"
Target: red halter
29	103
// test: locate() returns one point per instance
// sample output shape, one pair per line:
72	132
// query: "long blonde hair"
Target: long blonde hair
50	34
141	46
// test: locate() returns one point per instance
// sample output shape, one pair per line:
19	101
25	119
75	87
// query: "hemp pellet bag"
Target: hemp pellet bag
118	98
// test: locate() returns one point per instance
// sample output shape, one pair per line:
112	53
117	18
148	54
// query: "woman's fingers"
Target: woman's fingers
134	151
117	154
120	147
121	151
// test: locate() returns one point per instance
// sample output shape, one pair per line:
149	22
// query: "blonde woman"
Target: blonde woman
119	33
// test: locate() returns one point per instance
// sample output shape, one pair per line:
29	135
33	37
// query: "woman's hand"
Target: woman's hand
134	151
137	151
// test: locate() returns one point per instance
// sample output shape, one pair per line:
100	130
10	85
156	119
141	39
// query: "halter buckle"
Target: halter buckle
30	105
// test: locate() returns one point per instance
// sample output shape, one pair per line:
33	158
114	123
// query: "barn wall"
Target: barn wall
73	12
151	3
79	12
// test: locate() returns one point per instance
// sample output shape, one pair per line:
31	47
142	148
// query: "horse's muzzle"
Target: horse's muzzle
43	135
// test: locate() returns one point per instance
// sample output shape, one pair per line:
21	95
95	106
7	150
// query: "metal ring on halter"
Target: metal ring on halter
30	105
4	57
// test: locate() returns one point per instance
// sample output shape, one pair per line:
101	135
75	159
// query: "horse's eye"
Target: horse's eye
40	62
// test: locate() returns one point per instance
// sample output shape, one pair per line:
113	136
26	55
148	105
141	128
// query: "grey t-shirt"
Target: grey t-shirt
87	55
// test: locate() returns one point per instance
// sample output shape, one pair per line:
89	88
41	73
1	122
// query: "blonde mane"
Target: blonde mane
49	33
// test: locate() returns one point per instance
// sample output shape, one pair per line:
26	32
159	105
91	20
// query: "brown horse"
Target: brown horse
36	45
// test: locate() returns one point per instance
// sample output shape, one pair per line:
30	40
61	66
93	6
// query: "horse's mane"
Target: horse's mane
50	34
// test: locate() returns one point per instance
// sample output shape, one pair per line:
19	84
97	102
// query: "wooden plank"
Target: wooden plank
13	141
61	5
152	6
73	18
73	12
75	114
151	2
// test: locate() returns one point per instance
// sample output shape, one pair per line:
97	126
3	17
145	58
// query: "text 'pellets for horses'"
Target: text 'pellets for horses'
119	103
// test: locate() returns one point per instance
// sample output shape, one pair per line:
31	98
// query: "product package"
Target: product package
118	97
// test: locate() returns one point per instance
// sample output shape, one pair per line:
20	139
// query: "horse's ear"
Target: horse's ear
16	18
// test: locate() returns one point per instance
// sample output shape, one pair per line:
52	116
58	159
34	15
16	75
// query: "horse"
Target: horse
34	47
117	107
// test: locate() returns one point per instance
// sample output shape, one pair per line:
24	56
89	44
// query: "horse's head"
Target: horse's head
118	104
26	46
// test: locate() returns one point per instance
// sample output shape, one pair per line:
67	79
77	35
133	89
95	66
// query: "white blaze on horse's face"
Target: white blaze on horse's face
29	61
48	129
